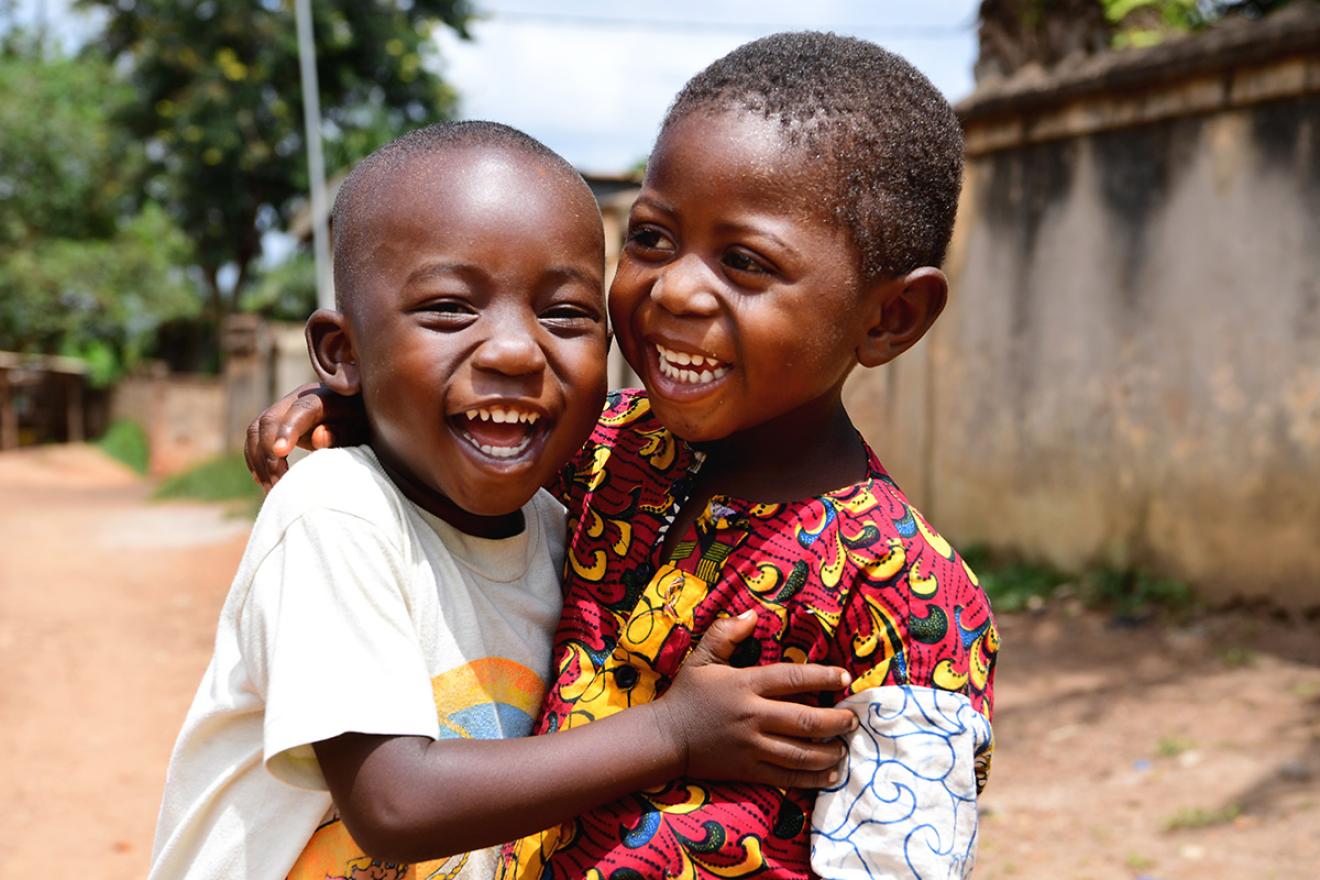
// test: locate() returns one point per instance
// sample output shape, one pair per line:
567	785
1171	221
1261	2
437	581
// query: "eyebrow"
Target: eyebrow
756	232
653	202
468	270
431	270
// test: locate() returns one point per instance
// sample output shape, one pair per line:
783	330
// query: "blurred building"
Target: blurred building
43	399
1128	372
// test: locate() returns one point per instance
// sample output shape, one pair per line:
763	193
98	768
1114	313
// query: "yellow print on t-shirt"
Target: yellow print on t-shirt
491	698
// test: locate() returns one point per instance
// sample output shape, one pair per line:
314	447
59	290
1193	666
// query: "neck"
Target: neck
504	525
807	451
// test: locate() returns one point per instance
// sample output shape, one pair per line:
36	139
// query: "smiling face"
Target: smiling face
736	296
476	326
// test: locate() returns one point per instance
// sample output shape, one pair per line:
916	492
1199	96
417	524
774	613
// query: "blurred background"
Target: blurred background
1117	418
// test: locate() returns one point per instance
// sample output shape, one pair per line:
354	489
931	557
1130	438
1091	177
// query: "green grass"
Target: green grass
224	478
126	442
1172	746
1012	584
1015	585
1199	817
1137	593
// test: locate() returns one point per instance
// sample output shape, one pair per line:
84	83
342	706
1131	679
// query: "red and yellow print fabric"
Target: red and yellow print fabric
855	578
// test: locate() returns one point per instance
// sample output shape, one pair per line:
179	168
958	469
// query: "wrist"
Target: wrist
671	739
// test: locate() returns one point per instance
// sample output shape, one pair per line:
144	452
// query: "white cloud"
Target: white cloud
594	87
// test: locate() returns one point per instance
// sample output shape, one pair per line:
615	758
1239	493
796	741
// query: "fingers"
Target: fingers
265	469
787	679
322	437
807	722
770	774
289	428
719	641
798	754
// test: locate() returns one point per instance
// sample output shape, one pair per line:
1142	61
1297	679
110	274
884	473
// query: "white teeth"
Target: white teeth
501	451
670	361
500	415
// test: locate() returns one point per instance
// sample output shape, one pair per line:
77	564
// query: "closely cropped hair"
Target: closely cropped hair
891	146
360	188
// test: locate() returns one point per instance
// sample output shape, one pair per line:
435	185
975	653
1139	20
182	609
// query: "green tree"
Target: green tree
219	106
1015	33
1146	22
86	267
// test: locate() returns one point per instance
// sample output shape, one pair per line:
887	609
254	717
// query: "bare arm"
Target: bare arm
409	799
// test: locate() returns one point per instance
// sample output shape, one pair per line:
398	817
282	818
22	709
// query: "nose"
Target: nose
510	353
686	288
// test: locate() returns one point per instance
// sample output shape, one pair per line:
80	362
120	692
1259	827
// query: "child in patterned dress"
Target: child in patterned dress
793	215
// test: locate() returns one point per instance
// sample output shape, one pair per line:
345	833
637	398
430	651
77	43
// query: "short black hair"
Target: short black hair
890	144
361	188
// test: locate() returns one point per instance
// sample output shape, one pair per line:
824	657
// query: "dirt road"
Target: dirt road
1166	753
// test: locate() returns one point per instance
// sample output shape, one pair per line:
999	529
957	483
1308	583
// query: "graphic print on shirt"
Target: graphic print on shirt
855	578
490	698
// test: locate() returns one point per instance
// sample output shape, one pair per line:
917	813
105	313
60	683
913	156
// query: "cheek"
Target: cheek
629	288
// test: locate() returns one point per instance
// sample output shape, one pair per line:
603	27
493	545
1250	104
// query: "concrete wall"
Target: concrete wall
190	418
1129	369
181	416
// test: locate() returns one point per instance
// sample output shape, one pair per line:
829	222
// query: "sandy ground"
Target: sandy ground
1171	752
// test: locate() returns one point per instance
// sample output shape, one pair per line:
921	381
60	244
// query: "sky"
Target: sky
592	79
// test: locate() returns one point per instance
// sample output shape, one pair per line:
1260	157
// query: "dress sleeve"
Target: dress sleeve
328	638
917	635
906	805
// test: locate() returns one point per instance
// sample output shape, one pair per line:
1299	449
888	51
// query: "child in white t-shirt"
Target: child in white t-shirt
391	620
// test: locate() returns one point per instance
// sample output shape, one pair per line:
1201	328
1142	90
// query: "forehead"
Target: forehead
745	152
461	193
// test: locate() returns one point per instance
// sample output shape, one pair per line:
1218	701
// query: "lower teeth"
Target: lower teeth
500	451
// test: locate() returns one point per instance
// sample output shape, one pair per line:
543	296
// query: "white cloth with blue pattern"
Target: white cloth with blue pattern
906	804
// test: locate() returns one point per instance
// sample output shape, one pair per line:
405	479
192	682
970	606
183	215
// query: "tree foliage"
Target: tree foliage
1016	33
1146	22
219	107
86	267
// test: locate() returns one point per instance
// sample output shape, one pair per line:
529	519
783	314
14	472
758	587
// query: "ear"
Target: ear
331	347
902	310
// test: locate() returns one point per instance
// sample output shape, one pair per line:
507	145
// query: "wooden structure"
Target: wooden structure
41	399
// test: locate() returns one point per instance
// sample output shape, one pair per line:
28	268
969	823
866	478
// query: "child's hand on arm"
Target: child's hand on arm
311	416
410	799
729	725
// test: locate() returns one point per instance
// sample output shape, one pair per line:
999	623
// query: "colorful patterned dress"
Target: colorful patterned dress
854	578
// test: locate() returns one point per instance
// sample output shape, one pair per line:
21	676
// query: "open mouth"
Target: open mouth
500	432
690	369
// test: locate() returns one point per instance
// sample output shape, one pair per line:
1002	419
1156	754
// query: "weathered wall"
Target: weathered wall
1129	369
181	416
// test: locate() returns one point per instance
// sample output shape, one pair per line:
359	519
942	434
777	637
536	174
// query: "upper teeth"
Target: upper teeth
671	361
501	414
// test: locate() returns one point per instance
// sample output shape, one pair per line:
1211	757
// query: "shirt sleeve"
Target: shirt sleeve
906	804
329	641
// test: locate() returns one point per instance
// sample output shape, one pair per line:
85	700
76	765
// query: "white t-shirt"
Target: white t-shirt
353	610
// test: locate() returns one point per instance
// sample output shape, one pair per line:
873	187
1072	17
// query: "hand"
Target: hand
726	724
310	416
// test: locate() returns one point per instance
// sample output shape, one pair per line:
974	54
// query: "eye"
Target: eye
741	261
648	240
569	316
446	314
